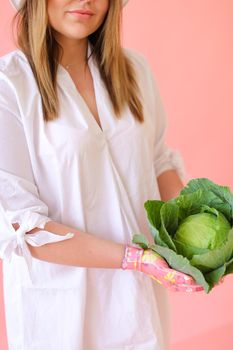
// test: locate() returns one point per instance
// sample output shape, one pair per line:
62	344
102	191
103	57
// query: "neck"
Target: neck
74	51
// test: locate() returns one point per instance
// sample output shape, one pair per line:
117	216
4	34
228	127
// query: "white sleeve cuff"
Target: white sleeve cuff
12	241
170	160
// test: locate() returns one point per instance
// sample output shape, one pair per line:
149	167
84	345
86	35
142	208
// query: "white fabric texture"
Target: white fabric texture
94	179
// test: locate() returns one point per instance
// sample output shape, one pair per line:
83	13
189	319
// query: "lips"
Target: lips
82	12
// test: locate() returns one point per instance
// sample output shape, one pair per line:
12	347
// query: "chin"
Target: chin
75	36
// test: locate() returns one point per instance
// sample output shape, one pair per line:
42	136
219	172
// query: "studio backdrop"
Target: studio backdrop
189	45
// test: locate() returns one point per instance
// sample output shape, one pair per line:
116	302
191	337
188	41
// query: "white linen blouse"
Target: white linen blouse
94	179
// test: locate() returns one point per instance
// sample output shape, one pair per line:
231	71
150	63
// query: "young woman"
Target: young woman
82	148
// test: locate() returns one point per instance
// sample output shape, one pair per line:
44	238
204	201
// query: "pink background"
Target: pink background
189	47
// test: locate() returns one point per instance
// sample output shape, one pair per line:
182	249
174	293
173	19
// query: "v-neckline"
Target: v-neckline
95	75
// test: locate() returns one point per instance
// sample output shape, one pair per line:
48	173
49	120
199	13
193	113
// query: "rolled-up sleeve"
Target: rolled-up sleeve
19	196
165	158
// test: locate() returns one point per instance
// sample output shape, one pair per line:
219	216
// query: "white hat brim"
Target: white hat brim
17	4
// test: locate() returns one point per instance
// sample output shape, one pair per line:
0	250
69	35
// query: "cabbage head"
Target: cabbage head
193	232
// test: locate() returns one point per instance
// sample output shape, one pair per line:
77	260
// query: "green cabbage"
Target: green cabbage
202	231
193	232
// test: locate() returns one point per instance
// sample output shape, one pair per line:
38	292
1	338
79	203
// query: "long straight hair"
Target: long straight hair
35	38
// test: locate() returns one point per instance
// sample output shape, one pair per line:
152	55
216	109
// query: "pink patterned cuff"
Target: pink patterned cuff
132	258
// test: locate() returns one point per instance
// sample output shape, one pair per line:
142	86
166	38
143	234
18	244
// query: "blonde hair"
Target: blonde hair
43	53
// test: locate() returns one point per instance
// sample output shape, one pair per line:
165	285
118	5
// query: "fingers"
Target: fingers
193	287
186	288
171	279
175	287
173	276
155	265
182	278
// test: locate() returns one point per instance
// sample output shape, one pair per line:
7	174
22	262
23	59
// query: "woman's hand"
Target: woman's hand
157	268
153	265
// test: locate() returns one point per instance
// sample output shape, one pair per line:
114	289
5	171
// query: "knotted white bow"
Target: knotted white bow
12	241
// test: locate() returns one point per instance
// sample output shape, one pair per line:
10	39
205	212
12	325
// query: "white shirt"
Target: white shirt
96	180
